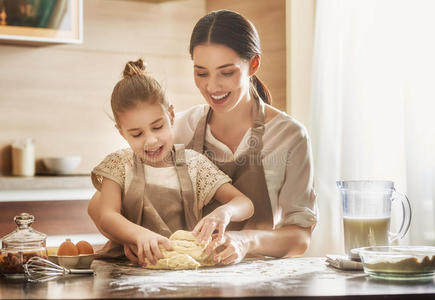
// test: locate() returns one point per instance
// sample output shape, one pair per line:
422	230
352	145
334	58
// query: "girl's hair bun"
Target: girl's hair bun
136	86
134	68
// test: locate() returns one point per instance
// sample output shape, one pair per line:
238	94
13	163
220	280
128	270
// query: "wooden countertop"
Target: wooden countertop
288	278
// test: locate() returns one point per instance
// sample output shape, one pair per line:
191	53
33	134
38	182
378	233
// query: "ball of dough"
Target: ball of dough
187	253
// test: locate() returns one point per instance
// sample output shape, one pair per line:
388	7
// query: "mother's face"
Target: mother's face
221	76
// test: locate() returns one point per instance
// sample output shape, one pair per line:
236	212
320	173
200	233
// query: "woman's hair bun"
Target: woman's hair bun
134	68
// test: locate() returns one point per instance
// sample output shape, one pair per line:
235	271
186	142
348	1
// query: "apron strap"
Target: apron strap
255	141
197	142
191	210
258	127
132	210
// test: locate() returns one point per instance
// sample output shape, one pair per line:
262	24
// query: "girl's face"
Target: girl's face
148	130
221	76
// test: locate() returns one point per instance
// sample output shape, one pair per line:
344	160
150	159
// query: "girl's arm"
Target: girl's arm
113	223
236	207
94	212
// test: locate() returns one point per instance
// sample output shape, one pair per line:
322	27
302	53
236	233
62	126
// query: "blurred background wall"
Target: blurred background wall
59	94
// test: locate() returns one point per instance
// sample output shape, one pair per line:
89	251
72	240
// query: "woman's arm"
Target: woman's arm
297	201
287	241
236	207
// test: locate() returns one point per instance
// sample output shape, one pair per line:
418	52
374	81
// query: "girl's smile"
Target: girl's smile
154	153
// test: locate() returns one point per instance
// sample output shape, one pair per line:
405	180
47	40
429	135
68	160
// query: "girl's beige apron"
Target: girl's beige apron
246	171
160	209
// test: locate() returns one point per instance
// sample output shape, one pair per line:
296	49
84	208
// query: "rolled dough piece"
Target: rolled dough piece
187	253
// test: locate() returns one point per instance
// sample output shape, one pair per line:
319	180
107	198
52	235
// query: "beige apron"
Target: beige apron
246	171
159	209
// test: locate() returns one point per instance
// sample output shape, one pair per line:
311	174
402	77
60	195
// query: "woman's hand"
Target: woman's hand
231	249
147	246
217	219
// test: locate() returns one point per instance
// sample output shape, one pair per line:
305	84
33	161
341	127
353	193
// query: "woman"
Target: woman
266	153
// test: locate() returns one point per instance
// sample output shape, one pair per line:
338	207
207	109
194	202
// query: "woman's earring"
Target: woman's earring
171	114
255	63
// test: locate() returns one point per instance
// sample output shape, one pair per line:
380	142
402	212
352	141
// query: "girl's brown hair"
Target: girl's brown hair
231	29
136	87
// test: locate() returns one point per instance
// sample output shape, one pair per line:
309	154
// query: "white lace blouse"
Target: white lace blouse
287	162
206	177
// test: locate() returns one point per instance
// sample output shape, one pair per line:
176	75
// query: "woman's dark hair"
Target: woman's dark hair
136	87
231	29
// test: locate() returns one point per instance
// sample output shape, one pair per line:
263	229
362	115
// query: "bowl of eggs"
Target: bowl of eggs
72	256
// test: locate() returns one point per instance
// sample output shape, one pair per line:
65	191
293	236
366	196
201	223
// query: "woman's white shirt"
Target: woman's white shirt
287	163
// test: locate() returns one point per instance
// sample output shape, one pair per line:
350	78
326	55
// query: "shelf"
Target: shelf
63	23
45	182
46	188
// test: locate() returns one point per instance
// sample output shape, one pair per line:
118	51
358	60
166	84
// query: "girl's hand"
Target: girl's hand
147	244
232	248
217	219
130	251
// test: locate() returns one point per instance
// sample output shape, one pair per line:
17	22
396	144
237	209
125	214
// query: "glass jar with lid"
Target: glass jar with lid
20	245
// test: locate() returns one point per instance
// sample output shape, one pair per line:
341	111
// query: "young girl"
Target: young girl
156	187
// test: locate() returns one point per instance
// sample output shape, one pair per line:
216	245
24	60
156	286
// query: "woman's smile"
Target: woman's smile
220	99
221	76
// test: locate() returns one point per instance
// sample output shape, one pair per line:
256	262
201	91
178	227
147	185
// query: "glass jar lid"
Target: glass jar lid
24	236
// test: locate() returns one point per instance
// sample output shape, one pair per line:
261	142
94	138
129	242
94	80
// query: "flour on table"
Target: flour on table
250	272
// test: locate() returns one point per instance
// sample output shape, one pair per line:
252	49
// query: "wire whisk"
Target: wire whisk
38	269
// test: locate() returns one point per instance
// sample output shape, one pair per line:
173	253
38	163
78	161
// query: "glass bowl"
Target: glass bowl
398	262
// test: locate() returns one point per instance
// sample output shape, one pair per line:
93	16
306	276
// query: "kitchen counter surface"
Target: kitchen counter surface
45	182
310	278
46	188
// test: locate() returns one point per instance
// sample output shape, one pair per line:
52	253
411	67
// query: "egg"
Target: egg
67	248
85	248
